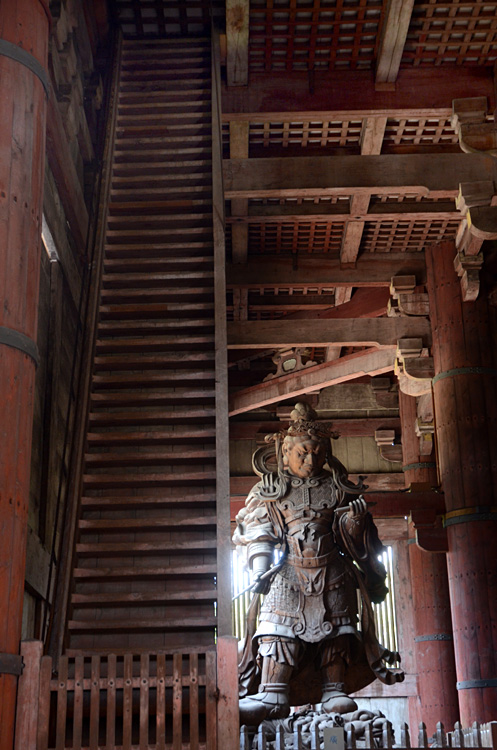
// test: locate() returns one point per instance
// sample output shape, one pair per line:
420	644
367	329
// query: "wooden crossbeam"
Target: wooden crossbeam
369	362
345	427
393	39
419	91
239	149
438	174
383	333
375	270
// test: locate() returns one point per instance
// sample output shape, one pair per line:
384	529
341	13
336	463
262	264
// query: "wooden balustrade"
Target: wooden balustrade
146	701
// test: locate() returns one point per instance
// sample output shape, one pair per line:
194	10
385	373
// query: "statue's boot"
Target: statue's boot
335	701
271	702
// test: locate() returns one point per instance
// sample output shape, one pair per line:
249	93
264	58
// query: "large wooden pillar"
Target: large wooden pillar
465	399
24	26
433	642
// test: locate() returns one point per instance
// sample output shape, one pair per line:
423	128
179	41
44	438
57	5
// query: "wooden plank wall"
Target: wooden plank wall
73	128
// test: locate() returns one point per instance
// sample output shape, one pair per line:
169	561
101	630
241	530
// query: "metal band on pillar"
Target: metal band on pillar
7	49
20	341
420	465
466	515
468	684
465	371
11	664
434	637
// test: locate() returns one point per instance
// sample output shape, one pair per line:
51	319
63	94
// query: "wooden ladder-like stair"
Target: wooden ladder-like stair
144	576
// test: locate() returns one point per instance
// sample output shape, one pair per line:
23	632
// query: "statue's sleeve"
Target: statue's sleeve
256	531
365	547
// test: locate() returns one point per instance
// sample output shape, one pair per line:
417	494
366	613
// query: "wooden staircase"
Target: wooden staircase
144	575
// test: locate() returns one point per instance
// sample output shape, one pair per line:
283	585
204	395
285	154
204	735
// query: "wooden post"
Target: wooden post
433	641
228	732
23	91
28	696
465	399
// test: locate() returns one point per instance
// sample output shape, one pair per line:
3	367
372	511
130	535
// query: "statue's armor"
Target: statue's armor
313	596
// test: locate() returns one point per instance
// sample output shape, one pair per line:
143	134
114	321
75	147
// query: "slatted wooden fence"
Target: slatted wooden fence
478	736
120	702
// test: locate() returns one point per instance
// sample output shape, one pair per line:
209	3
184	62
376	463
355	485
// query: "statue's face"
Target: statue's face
304	457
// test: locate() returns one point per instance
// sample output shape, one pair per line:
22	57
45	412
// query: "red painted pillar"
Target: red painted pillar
24	26
465	398
433	641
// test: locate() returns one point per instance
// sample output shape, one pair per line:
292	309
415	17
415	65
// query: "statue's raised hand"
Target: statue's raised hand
356	516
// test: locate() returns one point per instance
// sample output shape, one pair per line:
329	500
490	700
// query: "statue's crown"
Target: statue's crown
304	421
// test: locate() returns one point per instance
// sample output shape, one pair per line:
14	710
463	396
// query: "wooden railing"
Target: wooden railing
477	736
118	702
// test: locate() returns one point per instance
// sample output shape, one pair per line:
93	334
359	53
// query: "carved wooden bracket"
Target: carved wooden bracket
430	532
469	120
389	450
413	367
475	201
290	360
404	301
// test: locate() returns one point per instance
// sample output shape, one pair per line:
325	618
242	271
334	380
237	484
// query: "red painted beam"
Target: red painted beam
417	90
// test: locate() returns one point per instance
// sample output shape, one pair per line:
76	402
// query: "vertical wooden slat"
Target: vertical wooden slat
60	737
111	701
160	719
210	700
127	701
28	696
44	703
227	684
193	701
177	701
144	704
78	702
94	702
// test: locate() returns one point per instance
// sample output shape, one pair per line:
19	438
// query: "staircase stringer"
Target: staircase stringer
62	589
224	627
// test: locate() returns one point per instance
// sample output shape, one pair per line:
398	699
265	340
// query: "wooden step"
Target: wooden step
145	207
129	481
166	294
148	278
151	343
173	498
142	398
157	59
169	379
143	598
164	155
156	310
145	625
191	166
117	525
134	549
138	572
179	435
167	248
158	417
170	458
128	113
193	328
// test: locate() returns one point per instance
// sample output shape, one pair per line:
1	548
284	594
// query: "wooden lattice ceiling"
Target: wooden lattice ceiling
165	17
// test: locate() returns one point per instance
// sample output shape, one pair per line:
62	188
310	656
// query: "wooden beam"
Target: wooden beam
372	133
353	230
370	362
237	35
239	149
420	92
345	427
366	303
373	270
310	176
65	175
393	39
383	333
